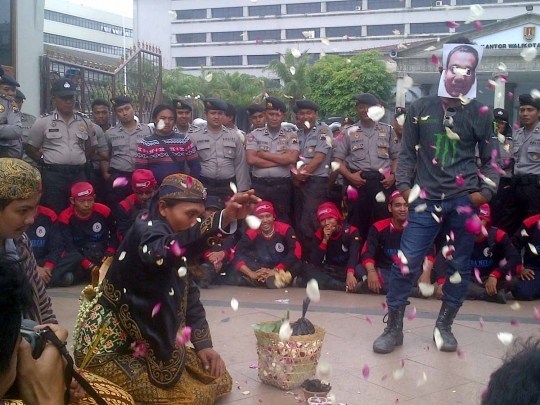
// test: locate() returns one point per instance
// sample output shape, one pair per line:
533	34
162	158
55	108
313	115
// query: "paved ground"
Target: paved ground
351	323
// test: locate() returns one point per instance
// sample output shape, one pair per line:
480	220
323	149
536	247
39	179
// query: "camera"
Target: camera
35	337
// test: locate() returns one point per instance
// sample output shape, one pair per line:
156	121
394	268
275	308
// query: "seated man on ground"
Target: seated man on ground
334	256
144	186
265	255
528	282
494	261
382	246
88	228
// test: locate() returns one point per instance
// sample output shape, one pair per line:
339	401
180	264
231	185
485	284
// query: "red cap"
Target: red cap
264	207
143	180
395	194
484	212
328	210
82	190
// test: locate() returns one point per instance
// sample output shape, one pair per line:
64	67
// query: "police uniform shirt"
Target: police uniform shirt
263	140
10	123
123	145
190	127
527	151
368	149
315	140
222	155
63	143
27	122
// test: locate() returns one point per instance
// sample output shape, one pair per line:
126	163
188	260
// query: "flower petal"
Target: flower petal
420	208
528	54
120	182
312	290
427	290
376	113
481	322
473	224
234	304
438	338
415	192
156	309
285	331
253	222
455	278
380	197
352	193
324	370
122	256
296	53
365	371
182	271
233	187
505	338
411	315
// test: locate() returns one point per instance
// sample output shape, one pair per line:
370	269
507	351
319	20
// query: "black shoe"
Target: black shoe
499	298
66	280
393	333
336	285
444	324
362	288
299	282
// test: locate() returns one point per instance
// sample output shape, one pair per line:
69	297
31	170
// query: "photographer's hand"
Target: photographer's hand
41	381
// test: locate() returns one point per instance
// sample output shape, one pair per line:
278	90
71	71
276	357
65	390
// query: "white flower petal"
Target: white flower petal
296	53
253	222
160	125
524	233
533	249
451	134
233	187
122	256
535	93
427	290
420	208
391	66
234	304
528	54
401	119
307	124
501	138
455	278
285	331
505	338
335	166
402	257
515	306
325	41
376	113
182	271
324	370
398	373
292	69
414	194
438	338
380	197
208	77
312	290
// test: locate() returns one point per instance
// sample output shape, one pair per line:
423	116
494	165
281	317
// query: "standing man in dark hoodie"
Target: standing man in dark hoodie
451	194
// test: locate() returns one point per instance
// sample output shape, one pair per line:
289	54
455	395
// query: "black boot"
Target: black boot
393	333
334	284
444	324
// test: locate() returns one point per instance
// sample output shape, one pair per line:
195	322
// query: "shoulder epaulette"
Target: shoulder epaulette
82	114
46	114
5	96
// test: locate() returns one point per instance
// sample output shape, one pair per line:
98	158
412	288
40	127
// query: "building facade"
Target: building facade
240	36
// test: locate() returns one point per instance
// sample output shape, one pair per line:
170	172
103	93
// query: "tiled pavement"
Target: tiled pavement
351	323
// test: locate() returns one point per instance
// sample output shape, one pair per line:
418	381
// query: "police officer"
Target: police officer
257	119
311	179
68	139
184	115
122	140
367	155
27	121
272	151
10	119
525	189
223	157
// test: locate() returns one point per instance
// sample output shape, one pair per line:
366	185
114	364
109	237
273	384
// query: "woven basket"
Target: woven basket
287	364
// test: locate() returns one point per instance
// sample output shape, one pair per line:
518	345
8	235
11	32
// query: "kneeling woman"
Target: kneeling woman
132	335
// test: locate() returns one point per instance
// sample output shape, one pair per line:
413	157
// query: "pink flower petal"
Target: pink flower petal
189	181
384	377
177	250
423	194
253	366
473	224
494	154
435	60
459	180
483	110
352	193
435	161
365	371
384	306
514	322
452	236
461	354
496	167
477	275
508	277
481	322
464	209
368	320
411	315
478	25
156	309
503	79
516	126
452	24
385	172
510	96
120	182
144	217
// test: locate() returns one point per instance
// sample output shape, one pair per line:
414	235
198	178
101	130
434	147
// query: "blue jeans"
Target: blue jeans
418	236
528	290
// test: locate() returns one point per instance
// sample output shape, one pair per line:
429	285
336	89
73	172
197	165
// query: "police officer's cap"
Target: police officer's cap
400	111
527	99
348	121
180	104
500	114
255	108
119	101
63	87
19	95
276	104
366	98
307	104
215	104
231	110
10	81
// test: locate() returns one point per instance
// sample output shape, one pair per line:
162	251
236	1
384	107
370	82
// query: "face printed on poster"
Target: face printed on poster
459	75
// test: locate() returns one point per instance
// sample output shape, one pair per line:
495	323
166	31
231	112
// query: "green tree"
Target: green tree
334	80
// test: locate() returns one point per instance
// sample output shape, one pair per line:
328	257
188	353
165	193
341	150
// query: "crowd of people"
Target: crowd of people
443	203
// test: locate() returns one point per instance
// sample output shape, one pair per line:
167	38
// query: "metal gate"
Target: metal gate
138	76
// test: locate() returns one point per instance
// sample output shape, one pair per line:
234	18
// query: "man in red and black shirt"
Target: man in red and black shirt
494	261
144	185
334	257
528	282
263	253
88	228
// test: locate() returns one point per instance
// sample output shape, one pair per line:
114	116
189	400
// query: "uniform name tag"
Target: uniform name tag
54	130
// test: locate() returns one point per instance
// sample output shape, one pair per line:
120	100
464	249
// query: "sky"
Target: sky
122	7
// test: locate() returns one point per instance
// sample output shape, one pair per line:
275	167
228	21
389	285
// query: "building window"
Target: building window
344	31
227	60
467	27
264	10
227	12
193	61
354	5
429	28
303	8
231	36
85	23
428	3
265	34
190	38
388	29
6	34
384	4
261	59
470	2
298	34
191	14
82	44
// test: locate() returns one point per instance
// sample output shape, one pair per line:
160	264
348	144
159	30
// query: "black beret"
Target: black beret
10	81
295	108
231	110
215	104
213	201
527	99
308	104
273	103
181	104
500	114
63	87
348	121
366	98
400	111
119	101
255	108
19	95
